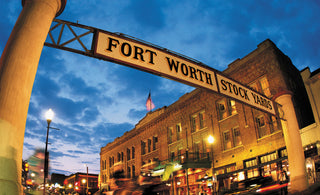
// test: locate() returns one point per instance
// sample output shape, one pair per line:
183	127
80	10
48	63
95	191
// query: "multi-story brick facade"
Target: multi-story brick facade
310	135
81	183
247	142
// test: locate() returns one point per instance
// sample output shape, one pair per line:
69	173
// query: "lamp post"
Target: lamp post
87	178
49	116
83	182
211	141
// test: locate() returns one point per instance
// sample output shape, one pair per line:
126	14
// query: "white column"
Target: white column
18	67
292	138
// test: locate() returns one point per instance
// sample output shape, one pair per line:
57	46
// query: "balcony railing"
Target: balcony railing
190	160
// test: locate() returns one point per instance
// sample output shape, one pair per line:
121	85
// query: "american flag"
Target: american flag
149	103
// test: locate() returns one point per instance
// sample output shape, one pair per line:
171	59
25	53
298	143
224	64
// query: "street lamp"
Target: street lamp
83	182
211	141
49	116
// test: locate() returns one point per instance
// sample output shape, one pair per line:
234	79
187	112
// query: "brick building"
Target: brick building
81	183
247	142
310	135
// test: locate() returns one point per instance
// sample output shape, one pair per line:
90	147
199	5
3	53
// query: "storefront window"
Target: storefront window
283	152
251	163
230	168
253	173
268	157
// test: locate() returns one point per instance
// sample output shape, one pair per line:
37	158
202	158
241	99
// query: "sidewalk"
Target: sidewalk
312	190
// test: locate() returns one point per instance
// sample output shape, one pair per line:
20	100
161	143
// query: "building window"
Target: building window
222	109
283	153
226	140
111	161
133	171
178	129
143	147
254	86
226	107
122	156
236	136
268	157
219	171
133	152
170	135
262	130
193	123
274	124
262	86
155	141
129	172
265	86
172	156
232	107
230	168
198	121
201	120
149	145
119	156
197	150
250	163
231	138
253	172
128	154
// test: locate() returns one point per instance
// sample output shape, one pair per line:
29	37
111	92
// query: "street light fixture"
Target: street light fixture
83	182
49	116
211	141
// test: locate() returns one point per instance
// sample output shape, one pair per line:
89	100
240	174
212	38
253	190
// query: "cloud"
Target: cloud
147	13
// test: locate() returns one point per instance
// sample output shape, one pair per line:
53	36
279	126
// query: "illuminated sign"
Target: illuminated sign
237	91
151	59
159	61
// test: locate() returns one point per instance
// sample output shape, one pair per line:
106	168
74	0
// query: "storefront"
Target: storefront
197	181
270	164
312	163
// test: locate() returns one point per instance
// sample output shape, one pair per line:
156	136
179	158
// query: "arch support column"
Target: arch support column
294	144
18	67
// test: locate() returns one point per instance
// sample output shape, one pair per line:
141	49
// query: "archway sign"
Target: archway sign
129	51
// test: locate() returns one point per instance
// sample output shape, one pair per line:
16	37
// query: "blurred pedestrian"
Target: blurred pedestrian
284	181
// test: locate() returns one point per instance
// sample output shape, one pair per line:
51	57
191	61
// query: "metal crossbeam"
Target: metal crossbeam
66	38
